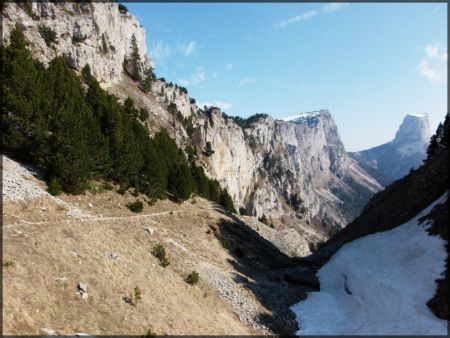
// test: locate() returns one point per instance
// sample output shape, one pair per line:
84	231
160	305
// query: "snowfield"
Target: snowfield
379	285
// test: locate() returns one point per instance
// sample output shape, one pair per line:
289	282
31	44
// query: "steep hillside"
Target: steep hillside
76	264
296	173
391	161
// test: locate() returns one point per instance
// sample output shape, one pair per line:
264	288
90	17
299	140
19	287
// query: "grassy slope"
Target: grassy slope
46	253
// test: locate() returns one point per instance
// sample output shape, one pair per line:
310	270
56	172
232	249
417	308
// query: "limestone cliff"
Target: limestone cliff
94	33
289	170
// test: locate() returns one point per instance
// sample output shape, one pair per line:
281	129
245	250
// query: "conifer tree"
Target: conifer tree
135	60
446	132
226	201
69	152
21	94
436	141
215	192
180	182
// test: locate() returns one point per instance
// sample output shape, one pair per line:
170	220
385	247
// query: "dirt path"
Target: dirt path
109	218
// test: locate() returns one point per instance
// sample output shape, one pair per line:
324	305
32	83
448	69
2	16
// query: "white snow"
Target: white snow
379	284
419	115
301	116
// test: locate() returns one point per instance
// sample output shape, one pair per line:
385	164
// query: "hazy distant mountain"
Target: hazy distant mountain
391	161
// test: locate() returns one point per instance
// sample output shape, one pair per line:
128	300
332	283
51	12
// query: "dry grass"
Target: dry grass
50	258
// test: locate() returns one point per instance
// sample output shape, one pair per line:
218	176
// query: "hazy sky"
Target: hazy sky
369	64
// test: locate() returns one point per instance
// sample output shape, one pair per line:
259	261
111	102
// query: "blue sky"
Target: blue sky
369	64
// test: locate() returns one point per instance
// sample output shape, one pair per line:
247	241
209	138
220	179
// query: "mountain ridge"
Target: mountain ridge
266	164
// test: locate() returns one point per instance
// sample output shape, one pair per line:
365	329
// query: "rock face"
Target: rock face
296	171
97	34
391	161
297	167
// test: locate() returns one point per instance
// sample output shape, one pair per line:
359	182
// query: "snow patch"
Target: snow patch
424	115
302	116
379	284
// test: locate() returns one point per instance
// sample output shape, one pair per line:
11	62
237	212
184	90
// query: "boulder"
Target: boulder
82	287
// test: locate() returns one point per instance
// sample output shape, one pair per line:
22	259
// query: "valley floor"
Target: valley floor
379	285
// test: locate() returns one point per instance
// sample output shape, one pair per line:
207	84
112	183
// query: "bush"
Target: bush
106	186
159	251
150	332
263	220
192	278
137	295
165	262
143	114
55	187
8	264
136	206
27	7
48	34
122	190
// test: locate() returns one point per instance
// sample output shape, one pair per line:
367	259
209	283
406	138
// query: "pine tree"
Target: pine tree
135	60
446	132
86	74
154	172
215	192
436	142
22	95
143	114
147	82
201	181
226	201
180	182
68	113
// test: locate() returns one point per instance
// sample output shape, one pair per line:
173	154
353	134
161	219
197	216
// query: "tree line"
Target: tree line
75	131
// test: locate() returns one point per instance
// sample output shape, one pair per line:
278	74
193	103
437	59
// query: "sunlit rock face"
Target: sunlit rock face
97	34
393	160
294	166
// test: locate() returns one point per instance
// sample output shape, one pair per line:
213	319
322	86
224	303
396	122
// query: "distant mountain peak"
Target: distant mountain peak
414	128
393	160
305	117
